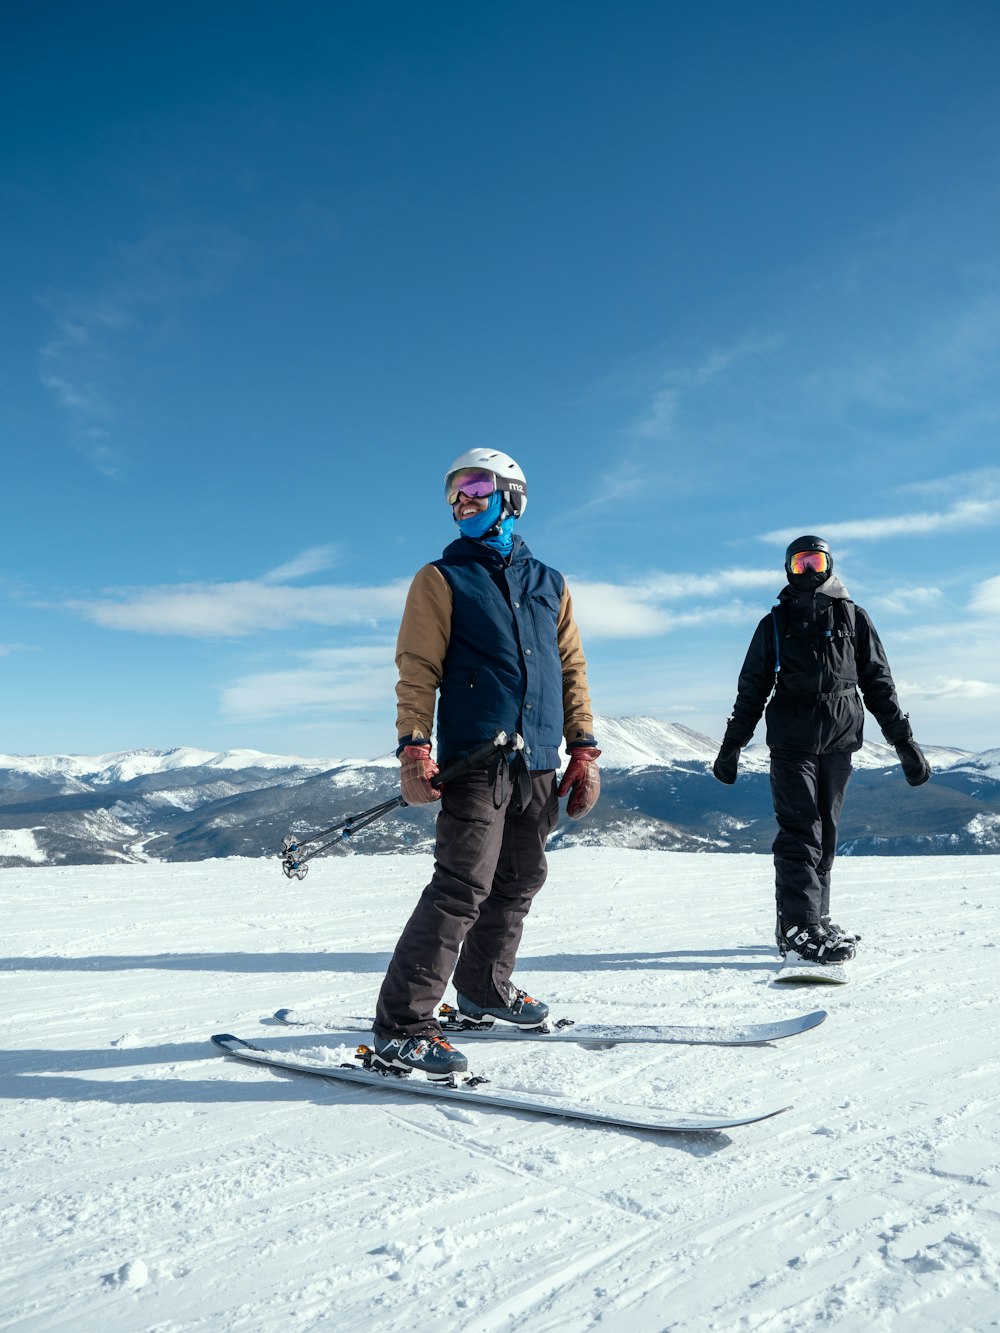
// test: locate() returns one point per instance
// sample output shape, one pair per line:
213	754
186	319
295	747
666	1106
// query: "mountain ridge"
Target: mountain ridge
186	803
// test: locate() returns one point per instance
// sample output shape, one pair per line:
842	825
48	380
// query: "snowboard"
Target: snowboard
476	1094
799	971
581	1034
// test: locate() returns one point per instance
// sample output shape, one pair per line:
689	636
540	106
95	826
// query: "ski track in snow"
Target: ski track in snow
150	1183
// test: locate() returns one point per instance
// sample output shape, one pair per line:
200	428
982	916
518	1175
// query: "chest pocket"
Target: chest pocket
838	623
815	659
544	611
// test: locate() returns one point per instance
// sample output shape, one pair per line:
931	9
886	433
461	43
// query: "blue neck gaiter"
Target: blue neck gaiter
480	524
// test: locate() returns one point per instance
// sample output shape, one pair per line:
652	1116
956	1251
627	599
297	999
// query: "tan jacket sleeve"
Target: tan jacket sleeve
578	719
424	635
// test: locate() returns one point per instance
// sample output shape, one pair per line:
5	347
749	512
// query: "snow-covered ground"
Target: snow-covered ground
150	1183
21	842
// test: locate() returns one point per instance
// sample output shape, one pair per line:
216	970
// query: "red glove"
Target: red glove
582	780
416	770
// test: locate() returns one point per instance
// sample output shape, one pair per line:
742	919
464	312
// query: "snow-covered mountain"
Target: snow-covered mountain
644	742
986	765
125	765
188	804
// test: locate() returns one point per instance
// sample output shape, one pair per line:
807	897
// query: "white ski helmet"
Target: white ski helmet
510	479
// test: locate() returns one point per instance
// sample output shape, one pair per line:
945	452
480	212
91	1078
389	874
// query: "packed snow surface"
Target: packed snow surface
151	1183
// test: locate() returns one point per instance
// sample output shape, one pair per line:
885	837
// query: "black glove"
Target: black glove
727	764
898	731
727	761
916	769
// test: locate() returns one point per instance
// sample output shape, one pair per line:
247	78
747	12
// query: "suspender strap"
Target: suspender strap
777	640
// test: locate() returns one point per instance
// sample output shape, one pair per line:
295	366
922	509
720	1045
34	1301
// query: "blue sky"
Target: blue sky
714	275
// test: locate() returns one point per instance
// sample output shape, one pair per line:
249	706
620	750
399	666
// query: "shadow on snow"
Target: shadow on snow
38	1075
742	958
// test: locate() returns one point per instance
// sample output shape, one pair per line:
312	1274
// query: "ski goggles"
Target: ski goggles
802	562
474	482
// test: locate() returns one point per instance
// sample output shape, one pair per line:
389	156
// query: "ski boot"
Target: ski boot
813	944
432	1055
520	1010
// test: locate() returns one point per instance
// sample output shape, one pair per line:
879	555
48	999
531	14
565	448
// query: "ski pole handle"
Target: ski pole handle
296	865
501	741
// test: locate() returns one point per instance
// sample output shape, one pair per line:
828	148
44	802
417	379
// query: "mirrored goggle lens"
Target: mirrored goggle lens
471	482
817	561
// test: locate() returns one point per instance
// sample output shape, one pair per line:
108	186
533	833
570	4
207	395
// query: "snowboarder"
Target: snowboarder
490	627
815	650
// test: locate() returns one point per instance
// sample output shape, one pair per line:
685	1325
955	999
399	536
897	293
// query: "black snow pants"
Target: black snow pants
808	792
489	864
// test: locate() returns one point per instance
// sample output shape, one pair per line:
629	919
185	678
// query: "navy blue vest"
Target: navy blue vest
502	670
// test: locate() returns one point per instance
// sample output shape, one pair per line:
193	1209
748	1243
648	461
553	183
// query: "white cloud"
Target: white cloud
665	387
941	373
86	355
949	687
657	420
985	599
232	610
948	672
659	416
606	610
984	482
906	601
614	611
311	561
74	371
637	610
965	514
330	680
671	587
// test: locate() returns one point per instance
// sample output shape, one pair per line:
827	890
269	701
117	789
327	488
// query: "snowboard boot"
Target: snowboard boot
432	1055
814	945
838	932
520	1009
834	932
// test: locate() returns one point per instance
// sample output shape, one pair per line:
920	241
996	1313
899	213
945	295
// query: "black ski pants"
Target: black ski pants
489	862
808	792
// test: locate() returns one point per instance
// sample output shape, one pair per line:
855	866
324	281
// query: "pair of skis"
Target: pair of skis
568	1031
476	1092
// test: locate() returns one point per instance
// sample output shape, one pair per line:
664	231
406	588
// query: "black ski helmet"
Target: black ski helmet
807	543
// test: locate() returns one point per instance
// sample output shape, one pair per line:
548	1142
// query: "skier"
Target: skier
490	627
815	650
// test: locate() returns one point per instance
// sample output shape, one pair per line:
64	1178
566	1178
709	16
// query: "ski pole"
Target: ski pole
296	865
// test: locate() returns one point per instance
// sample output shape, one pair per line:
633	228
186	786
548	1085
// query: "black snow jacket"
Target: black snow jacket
807	661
